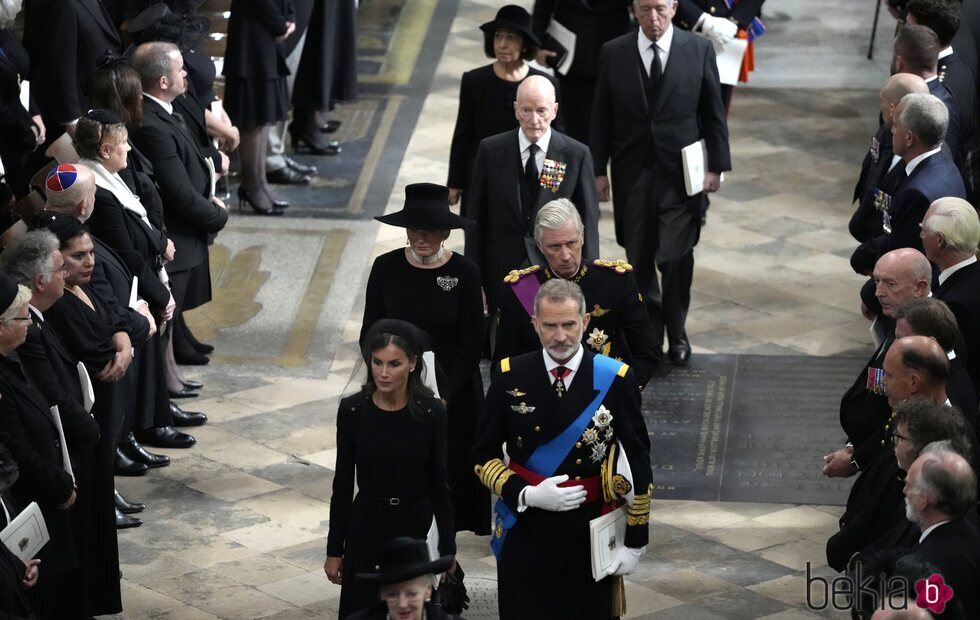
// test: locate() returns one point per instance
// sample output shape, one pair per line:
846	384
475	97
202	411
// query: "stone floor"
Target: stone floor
236	526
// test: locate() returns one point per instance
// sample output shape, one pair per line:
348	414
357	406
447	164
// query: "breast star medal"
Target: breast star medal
599	434
597	338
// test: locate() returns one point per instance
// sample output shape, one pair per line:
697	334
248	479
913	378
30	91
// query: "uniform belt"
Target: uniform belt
593	490
392	501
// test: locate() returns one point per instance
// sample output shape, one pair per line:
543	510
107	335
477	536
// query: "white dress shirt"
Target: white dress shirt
945	273
542	143
572	365
646	46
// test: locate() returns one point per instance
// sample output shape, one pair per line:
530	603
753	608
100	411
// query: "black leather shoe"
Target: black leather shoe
127	507
680	353
296	166
306	142
165	437
124	522
186	418
330	126
287	176
132	449
190	384
184	392
126	466
190	358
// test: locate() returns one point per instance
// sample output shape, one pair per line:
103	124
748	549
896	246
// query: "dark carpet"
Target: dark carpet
748	428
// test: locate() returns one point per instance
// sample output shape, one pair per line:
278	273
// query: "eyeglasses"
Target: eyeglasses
895	437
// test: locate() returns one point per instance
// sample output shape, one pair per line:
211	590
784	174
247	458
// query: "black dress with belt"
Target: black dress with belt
400	464
446	303
255	88
486	108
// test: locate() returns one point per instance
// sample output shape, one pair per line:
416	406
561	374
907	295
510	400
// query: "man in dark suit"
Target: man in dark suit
950	234
184	172
880	158
514	175
65	39
943	18
564	413
915	367
900	275
652	100
916	51
917	136
593	23
619	325
940	492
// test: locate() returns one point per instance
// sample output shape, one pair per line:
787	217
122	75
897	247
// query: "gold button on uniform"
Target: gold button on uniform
578	477
578	461
537	429
712	9
578	444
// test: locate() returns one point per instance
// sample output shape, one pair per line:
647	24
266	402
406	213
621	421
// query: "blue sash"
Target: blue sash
547	457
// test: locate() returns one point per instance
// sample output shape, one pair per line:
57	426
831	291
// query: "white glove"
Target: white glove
549	496
625	561
718	29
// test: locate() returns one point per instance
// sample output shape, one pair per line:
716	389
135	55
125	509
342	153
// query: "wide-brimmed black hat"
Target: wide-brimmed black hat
426	207
403	559
512	17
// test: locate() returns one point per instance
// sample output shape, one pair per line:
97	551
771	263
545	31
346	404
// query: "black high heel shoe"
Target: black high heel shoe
245	198
305	141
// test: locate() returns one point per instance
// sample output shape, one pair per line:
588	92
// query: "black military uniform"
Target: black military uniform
544	567
619	327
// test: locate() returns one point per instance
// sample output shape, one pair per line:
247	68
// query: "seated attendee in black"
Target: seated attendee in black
15	577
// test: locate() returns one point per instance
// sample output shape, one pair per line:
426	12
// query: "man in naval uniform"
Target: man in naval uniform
619	325
577	447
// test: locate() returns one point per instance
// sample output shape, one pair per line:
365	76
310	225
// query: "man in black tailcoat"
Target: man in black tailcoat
658	92
577	444
510	185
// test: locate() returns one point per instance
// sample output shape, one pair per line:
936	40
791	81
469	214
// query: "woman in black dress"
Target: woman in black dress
438	291
392	435
487	94
255	89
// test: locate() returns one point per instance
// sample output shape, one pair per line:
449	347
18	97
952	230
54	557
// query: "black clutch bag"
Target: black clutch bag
451	595
549	42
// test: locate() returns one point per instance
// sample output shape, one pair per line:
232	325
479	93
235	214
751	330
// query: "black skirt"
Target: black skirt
253	103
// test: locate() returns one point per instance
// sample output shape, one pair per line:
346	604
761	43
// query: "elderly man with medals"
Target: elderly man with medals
576	448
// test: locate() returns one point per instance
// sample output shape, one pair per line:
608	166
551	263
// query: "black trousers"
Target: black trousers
661	228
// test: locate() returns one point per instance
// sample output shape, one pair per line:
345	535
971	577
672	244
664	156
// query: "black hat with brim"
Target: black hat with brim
426	207
403	559
514	18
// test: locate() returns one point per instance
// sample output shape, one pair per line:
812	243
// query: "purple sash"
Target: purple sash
525	289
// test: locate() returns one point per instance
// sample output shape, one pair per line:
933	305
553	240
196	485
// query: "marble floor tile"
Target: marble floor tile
234	486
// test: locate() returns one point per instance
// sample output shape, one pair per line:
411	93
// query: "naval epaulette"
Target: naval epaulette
618	265
517	274
505	365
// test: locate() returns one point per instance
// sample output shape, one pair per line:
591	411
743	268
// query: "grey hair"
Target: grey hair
29	255
21	299
558	290
948	478
556	214
956	220
152	61
925	116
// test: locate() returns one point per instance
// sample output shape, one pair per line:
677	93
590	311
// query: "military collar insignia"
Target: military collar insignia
548	273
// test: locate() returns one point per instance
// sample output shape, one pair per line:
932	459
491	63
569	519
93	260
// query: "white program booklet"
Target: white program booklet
694	158
26	534
88	393
567	38
606	534
729	59
429	372
432	541
56	416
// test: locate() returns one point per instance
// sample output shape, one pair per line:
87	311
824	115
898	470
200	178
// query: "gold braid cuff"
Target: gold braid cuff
493	474
638	512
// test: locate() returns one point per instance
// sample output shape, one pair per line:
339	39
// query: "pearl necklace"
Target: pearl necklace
426	260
